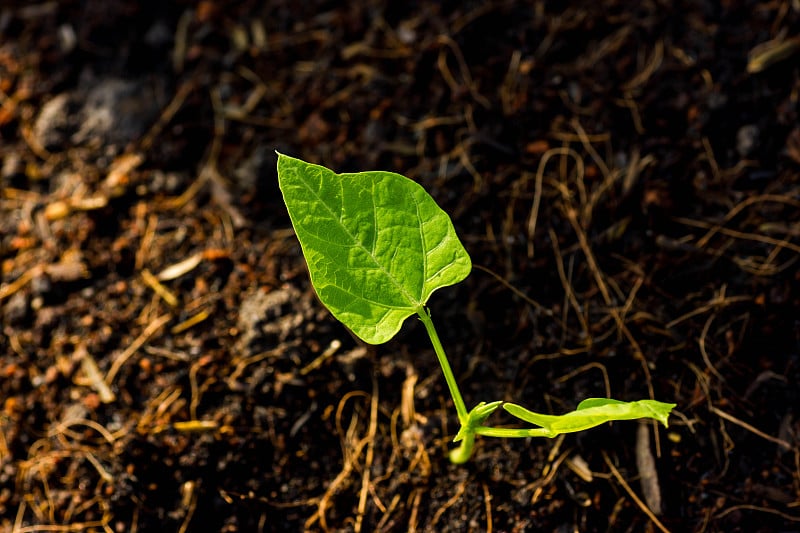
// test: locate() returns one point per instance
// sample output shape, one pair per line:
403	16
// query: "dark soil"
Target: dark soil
625	176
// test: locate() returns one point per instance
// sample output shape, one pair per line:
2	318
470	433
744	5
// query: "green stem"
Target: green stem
462	454
461	408
510	433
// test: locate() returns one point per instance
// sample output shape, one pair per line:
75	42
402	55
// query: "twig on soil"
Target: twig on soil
569	292
209	173
759	267
643	506
410	441
150	419
177	270
43	464
602	286
74	526
580	467
646	466
181	39
367	468
19	283
332	348
388	513
539	307
26	131
768	53
745	506
104	474
188	503
195	388
549	471
719	301
193	320
351	449
197	426
760	379
242	363
730	418
148	332
537	191
468	18
444	40
146	240
163	292
514	83
95	380
651	65
166	115
703	241
702	343
487	500
407	411
459	491
462	153
587	203
741	235
62	428
412	520
566	377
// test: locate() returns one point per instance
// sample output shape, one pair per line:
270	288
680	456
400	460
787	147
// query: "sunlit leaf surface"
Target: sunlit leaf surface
377	245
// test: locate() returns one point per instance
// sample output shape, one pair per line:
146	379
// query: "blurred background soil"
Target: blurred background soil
625	176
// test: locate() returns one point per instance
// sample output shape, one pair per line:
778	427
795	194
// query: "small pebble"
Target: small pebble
747	140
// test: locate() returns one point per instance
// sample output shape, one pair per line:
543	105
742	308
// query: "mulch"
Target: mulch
625	177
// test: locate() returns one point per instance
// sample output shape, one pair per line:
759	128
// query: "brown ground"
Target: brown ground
626	179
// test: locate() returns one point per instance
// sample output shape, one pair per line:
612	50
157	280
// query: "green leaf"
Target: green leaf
476	418
593	412
377	245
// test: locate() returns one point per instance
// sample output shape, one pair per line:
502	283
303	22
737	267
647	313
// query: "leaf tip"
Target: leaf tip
668	407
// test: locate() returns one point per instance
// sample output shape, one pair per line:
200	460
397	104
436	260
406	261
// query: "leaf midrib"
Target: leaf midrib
414	304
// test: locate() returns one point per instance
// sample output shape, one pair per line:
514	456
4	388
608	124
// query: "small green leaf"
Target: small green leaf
593	412
377	245
476	418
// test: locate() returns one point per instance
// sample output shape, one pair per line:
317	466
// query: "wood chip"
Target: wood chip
179	269
93	377
578	464
195	426
191	321
646	464
165	294
766	54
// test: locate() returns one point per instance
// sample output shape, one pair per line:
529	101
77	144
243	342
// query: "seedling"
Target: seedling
377	246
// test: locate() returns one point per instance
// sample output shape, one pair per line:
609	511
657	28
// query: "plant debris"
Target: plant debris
625	180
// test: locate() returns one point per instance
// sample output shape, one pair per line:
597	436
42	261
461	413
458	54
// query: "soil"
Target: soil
625	176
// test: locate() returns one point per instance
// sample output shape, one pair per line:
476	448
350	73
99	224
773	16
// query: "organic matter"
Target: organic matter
377	246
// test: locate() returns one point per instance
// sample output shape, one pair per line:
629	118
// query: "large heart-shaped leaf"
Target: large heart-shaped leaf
377	245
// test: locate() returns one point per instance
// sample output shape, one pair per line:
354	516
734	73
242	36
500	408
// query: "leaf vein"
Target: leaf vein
355	241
